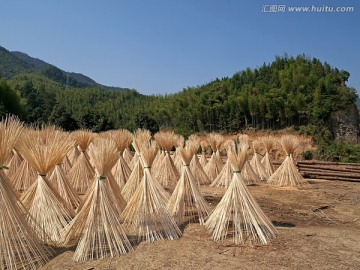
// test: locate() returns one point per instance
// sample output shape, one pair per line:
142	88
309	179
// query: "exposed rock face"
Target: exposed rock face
346	124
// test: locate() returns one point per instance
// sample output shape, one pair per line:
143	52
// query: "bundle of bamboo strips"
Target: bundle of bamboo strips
177	157
256	162
247	173
127	155
97	229
73	155
195	167
215	164
82	173
24	177
20	248
121	170
167	175
186	202
203	144
225	176
44	149
238	214
13	164
145	215
268	142
287	174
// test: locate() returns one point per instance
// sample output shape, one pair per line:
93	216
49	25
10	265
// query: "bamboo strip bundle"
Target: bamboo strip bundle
186	202
142	135
195	166
65	164
145	215
127	156
287	174
168	175
256	163
177	157
82	173
20	247
247	173
133	180
61	183
97	230
214	165
225	176
121	170
13	164
43	149
203	160
157	160
268	142
73	155
24	177
238	214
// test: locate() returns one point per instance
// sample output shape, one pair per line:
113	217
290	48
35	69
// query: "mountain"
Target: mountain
13	63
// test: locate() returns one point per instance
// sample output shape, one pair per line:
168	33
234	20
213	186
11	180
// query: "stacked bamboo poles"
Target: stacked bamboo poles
97	230
268	142
186	202
256	162
121	170
248	174
167	175
44	149
24	176
203	160
225	176
238	214
138	170
195	167
20	247
215	164
145	215
82	172
287	174
61	183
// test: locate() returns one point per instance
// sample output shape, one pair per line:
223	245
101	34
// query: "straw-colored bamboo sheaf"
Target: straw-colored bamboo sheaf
186	203
127	155
157	160
44	149
196	168
146	216
20	247
268	142
97	230
167	174
61	183
82	172
215	164
203	144
65	164
13	164
121	170
179	140
248	174
287	174
73	155
225	176
133	180
238	215
24	177
256	162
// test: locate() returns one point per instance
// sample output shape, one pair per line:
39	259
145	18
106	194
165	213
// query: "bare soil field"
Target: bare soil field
318	228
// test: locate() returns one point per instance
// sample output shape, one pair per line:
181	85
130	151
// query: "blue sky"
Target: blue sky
163	46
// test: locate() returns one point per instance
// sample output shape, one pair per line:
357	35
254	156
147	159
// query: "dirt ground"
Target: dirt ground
318	228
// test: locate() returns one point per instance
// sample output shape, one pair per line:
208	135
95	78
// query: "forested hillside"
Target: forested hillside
291	91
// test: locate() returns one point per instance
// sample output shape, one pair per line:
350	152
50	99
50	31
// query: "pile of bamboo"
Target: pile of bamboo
330	170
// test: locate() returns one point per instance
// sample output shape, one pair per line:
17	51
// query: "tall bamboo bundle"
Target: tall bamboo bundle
82	173
203	160
266	162
238	214
121	170
287	174
225	176
97	230
127	155
20	248
65	164
13	164
73	155
24	177
61	183
248	174
186	202
179	140
256	162
145	214
215	165
168	175
44	149
142	135
157	160
196	168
